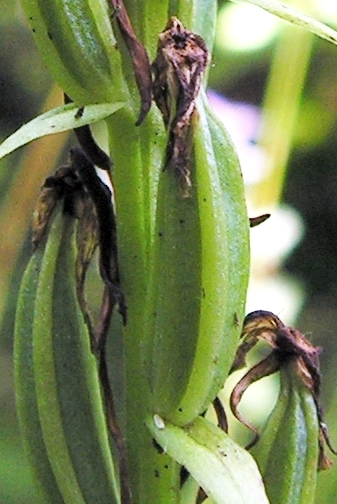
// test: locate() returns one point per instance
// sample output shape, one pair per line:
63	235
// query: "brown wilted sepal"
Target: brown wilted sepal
181	60
288	346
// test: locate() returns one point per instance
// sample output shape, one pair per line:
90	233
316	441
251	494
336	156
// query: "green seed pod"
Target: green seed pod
287	452
198	308
77	43
67	426
290	449
25	386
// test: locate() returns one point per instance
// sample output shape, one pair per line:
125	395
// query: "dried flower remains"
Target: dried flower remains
288	345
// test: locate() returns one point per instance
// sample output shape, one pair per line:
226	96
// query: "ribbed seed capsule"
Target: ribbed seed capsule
225	260
71	421
194	318
70	388
25	386
194	313
287	451
76	41
290	449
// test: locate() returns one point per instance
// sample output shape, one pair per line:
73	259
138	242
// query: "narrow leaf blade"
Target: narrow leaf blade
296	17
57	120
227	472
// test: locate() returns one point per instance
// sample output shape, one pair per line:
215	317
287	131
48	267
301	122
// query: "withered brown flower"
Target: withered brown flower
288	345
181	60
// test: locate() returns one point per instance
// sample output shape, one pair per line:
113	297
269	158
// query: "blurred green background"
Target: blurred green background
280	106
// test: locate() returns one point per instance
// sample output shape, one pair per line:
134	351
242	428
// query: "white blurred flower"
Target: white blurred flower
272	241
241	121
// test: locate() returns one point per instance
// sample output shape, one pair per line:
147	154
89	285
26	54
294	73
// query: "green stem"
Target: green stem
137	155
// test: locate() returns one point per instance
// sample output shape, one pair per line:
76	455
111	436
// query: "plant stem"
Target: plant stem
136	153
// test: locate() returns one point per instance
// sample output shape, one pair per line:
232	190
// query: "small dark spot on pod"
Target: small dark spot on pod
157	446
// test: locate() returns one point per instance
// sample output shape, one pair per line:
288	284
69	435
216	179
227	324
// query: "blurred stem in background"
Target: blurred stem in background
16	208
281	104
269	287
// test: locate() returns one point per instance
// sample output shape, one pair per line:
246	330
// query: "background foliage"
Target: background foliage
240	70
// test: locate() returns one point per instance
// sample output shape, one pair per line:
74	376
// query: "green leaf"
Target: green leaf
296	17
59	119
227	472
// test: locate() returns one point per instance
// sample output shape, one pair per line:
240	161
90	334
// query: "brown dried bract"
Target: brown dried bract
87	243
65	186
288	344
42	213
56	187
139	57
256	221
86	140
178	69
100	197
84	195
